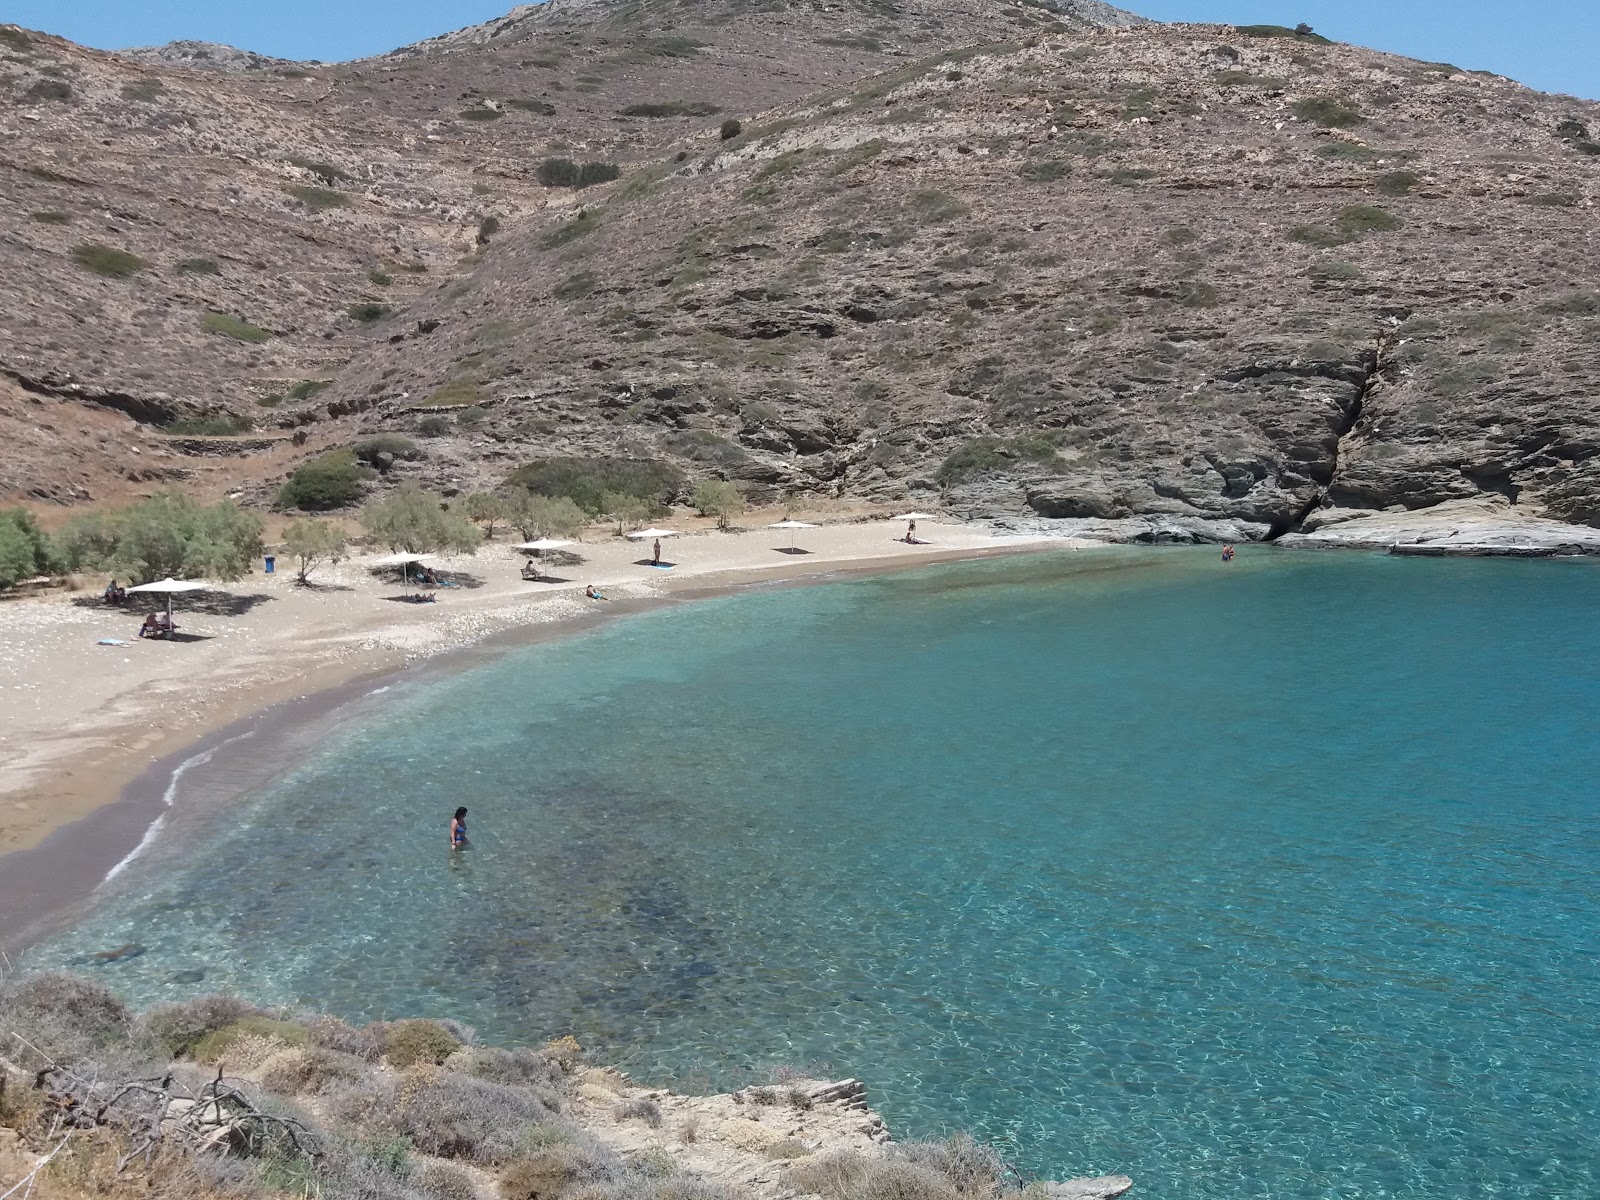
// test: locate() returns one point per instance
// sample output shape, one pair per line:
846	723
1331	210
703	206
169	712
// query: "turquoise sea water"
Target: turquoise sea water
1272	880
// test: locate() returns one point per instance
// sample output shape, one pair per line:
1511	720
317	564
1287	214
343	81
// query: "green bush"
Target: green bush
176	1028
730	129
1193	293
704	446
1045	170
1318	236
232	327
168	534
50	218
368	311
52	91
563	172
1346	152
936	207
1554	200
717	498
481	114
1398	183
1236	78
471	416
104	260
198	266
1330	111
673	108
219	425
381	278
1281	31
535	516
66	1016
398	445
534	106
329	481
585	481
412	1042
1358	219
214	1046
318	199
984	455
308	388
433	426
1334	271
417	522
456	393
586	222
25	550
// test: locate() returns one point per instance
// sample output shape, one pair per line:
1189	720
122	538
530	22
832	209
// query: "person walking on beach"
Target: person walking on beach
458	830
655	557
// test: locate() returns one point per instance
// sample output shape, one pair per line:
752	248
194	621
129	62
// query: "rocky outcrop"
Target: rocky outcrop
1481	527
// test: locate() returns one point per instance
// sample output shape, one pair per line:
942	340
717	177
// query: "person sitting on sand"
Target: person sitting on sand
458	830
911	532
591	594
115	594
151	627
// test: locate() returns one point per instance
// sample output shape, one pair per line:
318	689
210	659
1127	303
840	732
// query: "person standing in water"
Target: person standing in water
458	830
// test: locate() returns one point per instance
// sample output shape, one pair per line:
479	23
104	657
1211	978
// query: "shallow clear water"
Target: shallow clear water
1277	879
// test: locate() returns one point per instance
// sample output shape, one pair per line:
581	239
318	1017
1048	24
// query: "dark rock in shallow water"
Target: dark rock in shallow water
120	954
188	976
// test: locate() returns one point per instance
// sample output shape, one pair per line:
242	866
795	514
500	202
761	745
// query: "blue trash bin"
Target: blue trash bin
271	562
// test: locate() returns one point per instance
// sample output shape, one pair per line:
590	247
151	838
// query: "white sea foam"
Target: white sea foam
167	797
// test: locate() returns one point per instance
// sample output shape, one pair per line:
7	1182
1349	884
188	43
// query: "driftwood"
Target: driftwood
160	1111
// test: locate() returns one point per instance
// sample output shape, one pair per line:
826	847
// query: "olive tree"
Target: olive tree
313	543
485	507
717	498
418	522
169	534
536	516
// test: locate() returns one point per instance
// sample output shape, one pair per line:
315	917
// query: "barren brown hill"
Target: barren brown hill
1029	267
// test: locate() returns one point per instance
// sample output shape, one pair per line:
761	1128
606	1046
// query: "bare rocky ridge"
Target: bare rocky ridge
974	253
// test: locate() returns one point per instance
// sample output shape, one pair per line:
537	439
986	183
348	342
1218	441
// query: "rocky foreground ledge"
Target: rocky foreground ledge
217	1099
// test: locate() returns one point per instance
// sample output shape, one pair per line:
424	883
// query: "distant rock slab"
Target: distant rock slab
1156	530
1100	1187
1478	528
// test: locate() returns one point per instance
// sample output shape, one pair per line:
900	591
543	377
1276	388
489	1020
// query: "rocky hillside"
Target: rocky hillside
1010	259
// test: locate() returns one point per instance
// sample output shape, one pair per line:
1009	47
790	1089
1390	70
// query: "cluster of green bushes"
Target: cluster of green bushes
331	480
169	534
984	455
26	551
563	172
220	425
107	260
591	482
416	521
673	108
233	327
1301	33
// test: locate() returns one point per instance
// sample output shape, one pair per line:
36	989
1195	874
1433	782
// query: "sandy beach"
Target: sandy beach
79	720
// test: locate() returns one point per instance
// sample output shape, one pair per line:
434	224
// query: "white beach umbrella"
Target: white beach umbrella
543	544
792	526
403	561
171	587
915	516
653	533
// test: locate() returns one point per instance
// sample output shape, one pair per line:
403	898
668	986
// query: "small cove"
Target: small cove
1270	880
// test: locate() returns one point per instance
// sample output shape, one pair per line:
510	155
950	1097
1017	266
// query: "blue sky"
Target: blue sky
1548	44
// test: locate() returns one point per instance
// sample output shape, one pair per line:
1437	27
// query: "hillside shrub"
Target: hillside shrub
1237	78
1045	170
433	425
167	534
381	278
586	480
538	107
329	481
702	445
482	113
25	550
233	327
1283	31
1554	200
412	1042
106	260
308	388
417	522
563	172
214	1046
177	1028
325	172
558	1169
1194	293
457	392
487	228
586	222
673	108
984	455
456	1116
471	416
1346	152
1398	183
1358	219
1330	111
64	1015
217	425
1317	235
318	199
368	311
535	516
48	91
50	218
730	129
198	266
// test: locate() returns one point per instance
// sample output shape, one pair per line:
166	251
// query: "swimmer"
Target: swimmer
458	830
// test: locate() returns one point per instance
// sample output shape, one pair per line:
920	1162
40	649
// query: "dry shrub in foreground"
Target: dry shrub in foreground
412	1042
558	1169
177	1028
455	1116
848	1175
64	1016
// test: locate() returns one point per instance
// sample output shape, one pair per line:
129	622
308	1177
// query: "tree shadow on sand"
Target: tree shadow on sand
208	604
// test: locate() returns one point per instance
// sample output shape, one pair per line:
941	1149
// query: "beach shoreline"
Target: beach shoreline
91	778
